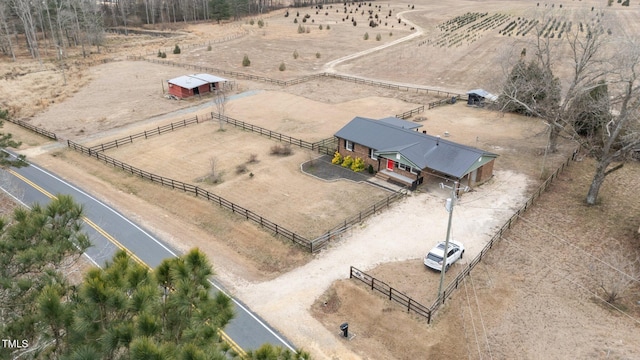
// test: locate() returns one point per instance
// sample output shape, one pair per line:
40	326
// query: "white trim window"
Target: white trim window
404	167
372	154
348	145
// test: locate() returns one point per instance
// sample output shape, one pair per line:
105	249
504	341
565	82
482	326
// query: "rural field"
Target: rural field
536	295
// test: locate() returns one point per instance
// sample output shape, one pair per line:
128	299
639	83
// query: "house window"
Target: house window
372	154
404	167
348	145
414	171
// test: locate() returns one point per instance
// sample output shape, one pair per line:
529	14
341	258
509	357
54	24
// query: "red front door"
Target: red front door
389	164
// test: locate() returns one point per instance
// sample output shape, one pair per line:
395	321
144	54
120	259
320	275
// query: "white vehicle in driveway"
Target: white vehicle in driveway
434	258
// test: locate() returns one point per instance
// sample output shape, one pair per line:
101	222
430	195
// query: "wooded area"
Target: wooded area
49	28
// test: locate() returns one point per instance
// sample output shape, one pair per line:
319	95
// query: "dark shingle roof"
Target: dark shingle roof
423	150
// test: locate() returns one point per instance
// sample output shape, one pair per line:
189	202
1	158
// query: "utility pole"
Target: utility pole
449	206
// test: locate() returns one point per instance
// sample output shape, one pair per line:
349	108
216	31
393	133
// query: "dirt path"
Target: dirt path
406	231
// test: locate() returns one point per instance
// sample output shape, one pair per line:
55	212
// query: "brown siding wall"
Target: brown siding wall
358	151
179	91
203	89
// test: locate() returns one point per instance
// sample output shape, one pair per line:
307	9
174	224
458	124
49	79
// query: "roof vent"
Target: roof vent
446	134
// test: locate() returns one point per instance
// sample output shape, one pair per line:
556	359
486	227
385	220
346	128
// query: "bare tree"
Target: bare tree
619	137
5	36
220	101
615	275
596	60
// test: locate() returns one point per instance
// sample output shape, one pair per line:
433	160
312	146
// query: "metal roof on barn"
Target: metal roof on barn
421	150
195	80
483	93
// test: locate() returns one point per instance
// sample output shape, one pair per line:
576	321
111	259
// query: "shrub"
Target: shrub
295	21
317	55
241	169
390	34
282	150
282	67
245	61
159	53
358	165
176	50
251	22
253	158
366	36
378	37
320	27
209	48
337	158
328	27
163	55
260	23
347	161
295	54
370	169
300	29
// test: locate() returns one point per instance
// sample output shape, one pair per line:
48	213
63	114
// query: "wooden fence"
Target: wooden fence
448	100
453	285
410	113
357	80
197	192
323	239
266	132
147	134
35	129
391	293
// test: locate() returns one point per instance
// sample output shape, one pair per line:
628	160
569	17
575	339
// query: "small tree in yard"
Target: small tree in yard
615	275
282	67
176	50
220	102
245	61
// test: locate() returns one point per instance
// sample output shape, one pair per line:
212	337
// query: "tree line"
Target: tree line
51	27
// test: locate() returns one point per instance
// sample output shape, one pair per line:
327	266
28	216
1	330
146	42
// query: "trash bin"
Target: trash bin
345	329
453	100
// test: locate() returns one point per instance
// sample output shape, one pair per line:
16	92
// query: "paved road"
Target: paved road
109	230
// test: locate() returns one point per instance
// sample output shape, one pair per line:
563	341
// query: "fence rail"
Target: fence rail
410	113
266	132
453	285
147	134
35	129
391	293
197	192
323	239
357	80
448	100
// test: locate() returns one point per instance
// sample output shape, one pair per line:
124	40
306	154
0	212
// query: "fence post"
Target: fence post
390	292
350	271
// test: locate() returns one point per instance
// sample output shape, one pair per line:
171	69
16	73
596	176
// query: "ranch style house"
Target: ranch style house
400	154
189	85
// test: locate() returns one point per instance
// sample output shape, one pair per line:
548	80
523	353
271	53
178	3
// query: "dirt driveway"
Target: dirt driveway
307	297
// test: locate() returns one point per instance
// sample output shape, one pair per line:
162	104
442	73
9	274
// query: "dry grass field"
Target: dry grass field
536	295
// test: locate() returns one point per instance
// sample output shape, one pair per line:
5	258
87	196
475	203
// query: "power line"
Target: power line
486	338
566	277
473	323
567	242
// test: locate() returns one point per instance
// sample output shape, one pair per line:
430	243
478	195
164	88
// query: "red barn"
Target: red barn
196	84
